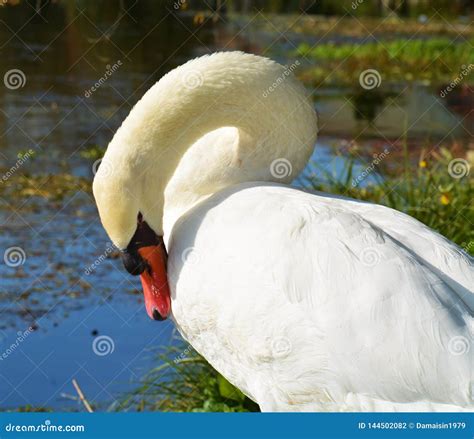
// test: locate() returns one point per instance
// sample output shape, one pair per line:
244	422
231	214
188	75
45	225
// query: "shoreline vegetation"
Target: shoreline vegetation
434	61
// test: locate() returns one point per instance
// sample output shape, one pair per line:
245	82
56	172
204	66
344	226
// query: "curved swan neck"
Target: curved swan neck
259	98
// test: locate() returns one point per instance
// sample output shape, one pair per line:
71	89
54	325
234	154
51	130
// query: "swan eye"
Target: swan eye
134	263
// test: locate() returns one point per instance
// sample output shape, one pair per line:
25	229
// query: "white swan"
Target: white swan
305	301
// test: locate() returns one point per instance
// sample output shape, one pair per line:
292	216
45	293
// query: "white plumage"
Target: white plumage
305	301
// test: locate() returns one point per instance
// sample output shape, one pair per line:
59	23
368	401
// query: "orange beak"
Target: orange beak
155	282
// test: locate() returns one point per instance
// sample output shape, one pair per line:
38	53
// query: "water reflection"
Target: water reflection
389	112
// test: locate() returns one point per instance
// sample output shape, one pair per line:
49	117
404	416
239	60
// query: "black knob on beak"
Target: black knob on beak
133	262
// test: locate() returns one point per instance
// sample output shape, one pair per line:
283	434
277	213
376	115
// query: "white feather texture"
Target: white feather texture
304	301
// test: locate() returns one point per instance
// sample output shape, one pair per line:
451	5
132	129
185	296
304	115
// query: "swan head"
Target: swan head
142	248
269	118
